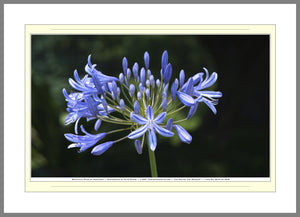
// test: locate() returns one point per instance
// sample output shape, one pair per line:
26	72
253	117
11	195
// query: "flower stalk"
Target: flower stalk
152	162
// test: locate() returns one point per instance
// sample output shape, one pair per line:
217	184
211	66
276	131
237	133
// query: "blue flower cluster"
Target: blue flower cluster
135	102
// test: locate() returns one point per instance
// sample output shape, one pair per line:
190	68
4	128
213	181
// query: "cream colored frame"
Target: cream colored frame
149	185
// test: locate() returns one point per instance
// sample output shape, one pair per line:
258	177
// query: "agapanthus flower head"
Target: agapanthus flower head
140	103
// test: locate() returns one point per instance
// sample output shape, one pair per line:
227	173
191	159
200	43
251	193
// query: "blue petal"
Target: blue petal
102	77
79	138
197	93
146	59
136	107
138	146
85	146
193	110
89	61
141	87
131	89
211	106
160	118
76	126
114	89
135	71
165	90
76	76
157	82
97	124
216	94
169	124
109	84
168	73
89	69
198	78
126	82
139	119
162	131
128	74
71	117
181	77
186	99
138	132
139	95
121	78
71	137
147	83
147	92
97	82
66	95
164	60
79	87
84	138
91	105
190	87
152	81
122	104
209	81
125	65
149	113
152	139
100	149
143	75
174	89
164	104
118	91
184	136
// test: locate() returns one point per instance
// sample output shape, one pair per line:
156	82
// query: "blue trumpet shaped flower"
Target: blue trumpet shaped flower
83	142
81	106
151	125
99	79
85	85
192	92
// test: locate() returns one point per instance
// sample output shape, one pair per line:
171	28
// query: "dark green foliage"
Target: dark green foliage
233	143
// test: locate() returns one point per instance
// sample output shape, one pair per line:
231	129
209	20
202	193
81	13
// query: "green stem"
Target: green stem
152	162
177	110
118	130
125	137
114	121
174	122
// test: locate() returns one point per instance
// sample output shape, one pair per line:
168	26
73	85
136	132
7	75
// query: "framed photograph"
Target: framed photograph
150	108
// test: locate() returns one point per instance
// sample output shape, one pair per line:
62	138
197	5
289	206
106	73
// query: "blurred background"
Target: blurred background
232	143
